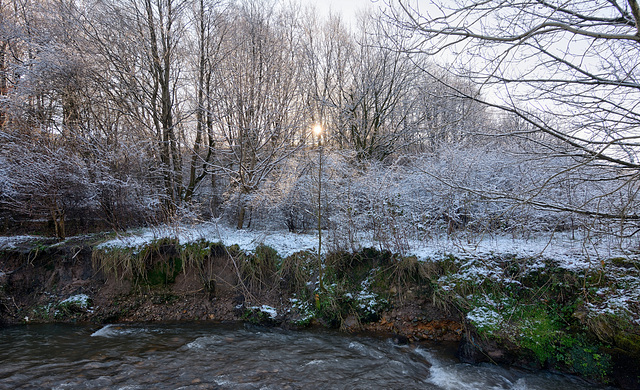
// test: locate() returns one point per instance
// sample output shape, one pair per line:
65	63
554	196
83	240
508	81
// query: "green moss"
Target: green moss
267	256
628	342
257	316
164	272
539	332
332	305
303	310
583	357
42	312
623	262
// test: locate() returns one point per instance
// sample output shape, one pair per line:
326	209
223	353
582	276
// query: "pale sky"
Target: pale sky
347	8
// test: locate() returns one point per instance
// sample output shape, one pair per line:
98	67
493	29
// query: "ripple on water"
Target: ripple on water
195	356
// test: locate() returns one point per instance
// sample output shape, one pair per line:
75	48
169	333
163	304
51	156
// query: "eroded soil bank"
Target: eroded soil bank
36	282
369	291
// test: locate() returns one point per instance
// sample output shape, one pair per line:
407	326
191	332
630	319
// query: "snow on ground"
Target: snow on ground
572	254
80	300
284	242
272	312
10	242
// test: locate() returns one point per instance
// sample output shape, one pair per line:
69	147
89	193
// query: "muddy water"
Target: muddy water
203	356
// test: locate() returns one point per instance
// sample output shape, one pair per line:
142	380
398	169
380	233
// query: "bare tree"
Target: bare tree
210	32
258	106
138	45
44	180
4	54
377	114
363	93
328	49
568	71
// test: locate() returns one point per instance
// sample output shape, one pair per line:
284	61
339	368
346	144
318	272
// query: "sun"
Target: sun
317	129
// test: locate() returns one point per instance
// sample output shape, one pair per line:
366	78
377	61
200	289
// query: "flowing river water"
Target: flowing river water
204	356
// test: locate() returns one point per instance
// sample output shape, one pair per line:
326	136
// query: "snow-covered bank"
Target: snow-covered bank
285	243
478	257
572	254
10	242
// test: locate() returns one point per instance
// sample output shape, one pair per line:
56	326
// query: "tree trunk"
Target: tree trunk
58	221
3	78
241	212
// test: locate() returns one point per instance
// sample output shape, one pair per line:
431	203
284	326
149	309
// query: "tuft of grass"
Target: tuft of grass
194	254
157	263
117	262
259	269
296	271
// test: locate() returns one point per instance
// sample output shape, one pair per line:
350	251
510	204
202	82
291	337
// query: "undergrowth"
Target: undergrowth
559	317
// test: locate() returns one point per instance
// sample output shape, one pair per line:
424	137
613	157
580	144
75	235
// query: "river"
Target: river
205	356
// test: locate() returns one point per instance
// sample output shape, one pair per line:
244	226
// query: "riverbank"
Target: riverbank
532	311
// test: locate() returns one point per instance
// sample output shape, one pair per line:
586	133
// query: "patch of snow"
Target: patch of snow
571	254
10	242
272	312
484	318
80	300
617	302
284	242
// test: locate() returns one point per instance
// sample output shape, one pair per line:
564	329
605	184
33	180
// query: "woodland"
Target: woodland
516	118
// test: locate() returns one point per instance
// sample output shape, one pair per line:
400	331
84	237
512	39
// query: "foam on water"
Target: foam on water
203	343
105	331
115	330
456	376
452	375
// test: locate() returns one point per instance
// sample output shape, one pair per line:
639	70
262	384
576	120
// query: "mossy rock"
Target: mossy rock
584	358
628	342
256	316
